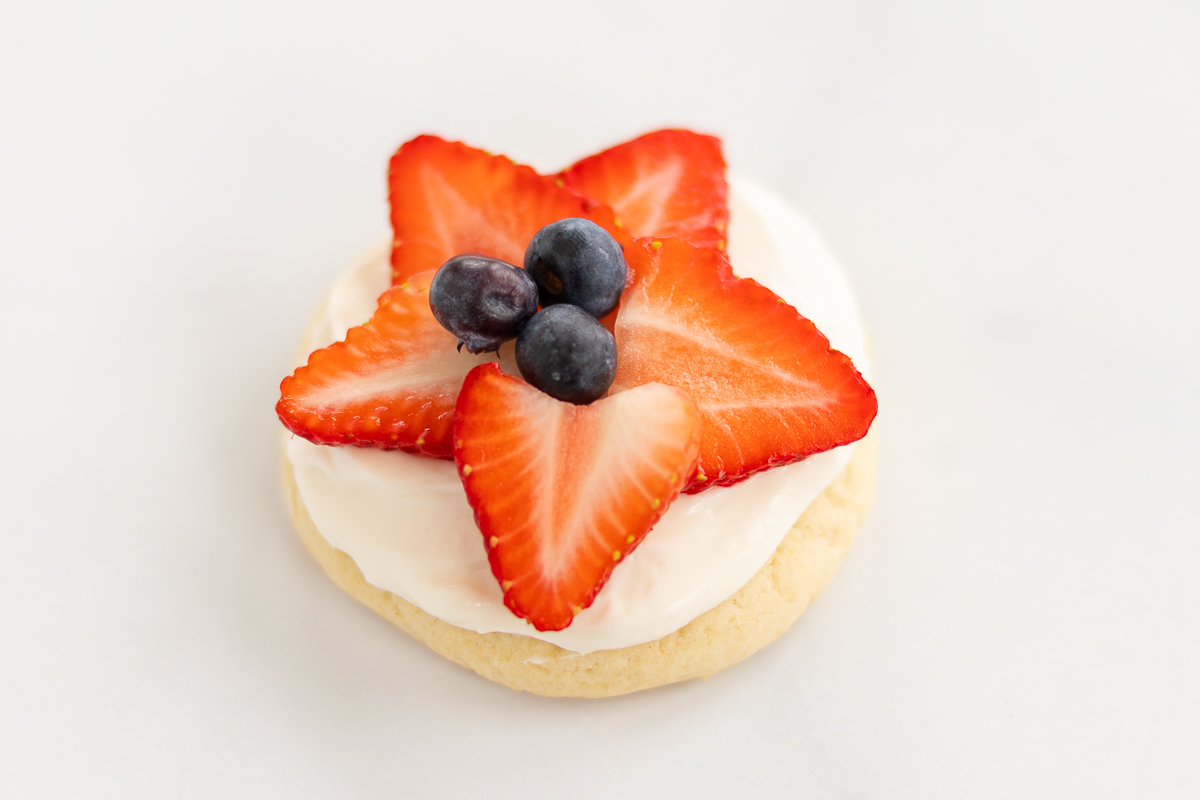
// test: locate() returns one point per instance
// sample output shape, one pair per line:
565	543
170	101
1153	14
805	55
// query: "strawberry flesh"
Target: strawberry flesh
563	493
391	383
448	199
769	388
668	183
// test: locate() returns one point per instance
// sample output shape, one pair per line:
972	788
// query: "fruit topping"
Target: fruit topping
567	354
667	183
769	389
448	199
563	493
483	301
576	261
390	384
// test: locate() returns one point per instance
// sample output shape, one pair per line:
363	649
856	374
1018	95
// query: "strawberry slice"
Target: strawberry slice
562	493
390	384
667	183
448	199
769	389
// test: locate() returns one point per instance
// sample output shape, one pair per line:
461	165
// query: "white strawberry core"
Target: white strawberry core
454	215
424	377
650	191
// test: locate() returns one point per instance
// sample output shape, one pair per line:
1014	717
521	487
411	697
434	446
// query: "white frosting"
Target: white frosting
405	520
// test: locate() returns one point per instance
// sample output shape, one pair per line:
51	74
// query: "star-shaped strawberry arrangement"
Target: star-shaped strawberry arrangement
647	367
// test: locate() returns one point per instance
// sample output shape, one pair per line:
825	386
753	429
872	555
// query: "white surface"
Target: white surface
406	523
1013	189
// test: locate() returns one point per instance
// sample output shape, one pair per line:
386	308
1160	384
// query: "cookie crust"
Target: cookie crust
752	618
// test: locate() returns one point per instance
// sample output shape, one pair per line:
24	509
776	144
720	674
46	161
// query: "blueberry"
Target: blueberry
567	354
576	261
483	301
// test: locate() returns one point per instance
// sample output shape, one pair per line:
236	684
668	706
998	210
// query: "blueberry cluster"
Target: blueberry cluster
575	270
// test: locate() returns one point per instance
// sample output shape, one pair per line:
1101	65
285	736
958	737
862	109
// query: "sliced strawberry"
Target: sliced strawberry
769	389
562	493
390	384
449	199
666	183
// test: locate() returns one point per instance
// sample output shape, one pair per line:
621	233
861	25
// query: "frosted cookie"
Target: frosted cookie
597	543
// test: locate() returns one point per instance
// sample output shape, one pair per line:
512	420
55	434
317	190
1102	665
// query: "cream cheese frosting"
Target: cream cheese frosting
405	519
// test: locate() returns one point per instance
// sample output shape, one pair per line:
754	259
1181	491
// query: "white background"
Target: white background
1014	189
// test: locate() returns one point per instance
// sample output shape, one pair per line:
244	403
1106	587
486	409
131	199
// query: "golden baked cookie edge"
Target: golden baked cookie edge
752	618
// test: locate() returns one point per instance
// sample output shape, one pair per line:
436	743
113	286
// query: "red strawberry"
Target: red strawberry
561	492
449	199
390	384
667	183
769	389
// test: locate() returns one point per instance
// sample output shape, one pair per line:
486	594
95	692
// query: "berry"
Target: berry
448	199
563	493
576	261
769	389
390	384
567	354
667	183
482	301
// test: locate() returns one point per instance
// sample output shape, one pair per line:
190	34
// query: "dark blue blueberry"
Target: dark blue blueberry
576	261
483	301
567	354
